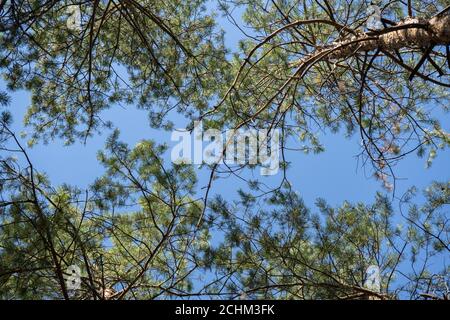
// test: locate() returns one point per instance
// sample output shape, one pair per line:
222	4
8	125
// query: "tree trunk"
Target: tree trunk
412	32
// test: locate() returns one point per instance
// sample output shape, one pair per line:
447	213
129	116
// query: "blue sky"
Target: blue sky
333	175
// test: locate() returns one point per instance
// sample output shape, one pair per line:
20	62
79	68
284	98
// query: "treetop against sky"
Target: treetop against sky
326	87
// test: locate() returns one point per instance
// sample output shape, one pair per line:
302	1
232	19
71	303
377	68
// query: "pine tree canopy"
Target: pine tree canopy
375	72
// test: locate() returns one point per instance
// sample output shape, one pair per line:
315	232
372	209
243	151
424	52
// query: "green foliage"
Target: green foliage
276	249
144	229
155	54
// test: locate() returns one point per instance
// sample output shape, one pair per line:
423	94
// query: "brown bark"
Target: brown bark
410	33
